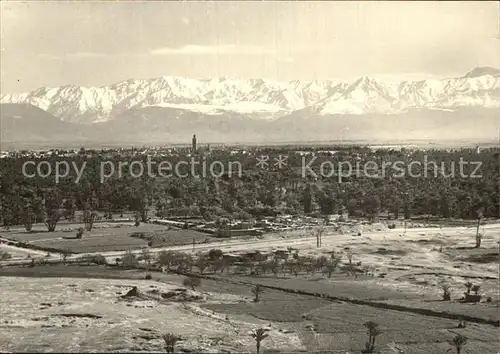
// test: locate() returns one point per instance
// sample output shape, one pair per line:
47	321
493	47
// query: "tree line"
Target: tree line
256	192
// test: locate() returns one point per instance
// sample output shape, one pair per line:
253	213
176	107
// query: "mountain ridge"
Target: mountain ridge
269	98
169	110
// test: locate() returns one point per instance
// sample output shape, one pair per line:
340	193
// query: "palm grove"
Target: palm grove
256	192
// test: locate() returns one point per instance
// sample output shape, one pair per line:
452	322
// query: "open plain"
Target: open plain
72	307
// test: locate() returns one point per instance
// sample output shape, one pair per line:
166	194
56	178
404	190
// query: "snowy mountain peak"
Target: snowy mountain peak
482	71
479	87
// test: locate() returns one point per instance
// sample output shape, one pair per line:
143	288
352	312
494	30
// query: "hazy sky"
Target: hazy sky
97	43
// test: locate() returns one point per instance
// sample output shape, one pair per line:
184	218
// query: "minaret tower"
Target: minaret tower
193	144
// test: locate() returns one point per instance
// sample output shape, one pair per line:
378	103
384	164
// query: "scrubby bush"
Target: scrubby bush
166	258
79	232
29	219
215	254
468	285
170	342
273	265
64	254
191	282
4	256
349	255
140	235
219	265
320	262
201	263
472	297
256	291
146	257
330	267
89	218
98	259
129	260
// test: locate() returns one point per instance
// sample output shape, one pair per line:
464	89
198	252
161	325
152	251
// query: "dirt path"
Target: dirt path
353	293
24	251
330	239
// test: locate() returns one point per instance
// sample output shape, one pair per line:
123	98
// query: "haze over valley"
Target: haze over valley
170	109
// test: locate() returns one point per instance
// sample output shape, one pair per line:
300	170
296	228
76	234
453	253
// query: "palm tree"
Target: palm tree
274	266
201	263
331	265
191	282
79	232
256	290
319	233
446	292
170	341
373	332
478	235
146	257
458	342
259	335
29	218
64	254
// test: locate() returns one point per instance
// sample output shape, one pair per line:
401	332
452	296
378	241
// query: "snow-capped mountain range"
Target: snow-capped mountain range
270	99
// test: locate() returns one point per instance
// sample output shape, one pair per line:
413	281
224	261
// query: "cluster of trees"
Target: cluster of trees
171	339
256	192
215	262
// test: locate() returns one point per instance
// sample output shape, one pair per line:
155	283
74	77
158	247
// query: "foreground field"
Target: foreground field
403	293
89	315
415	263
84	314
105	237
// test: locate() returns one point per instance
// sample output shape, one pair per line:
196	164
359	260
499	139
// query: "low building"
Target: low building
281	254
246	225
254	256
237	232
232	258
341	216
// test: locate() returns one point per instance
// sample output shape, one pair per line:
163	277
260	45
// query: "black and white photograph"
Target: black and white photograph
250	177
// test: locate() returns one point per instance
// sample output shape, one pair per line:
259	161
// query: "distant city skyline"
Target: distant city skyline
100	43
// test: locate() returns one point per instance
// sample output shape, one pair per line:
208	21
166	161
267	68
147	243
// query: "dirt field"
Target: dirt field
89	315
421	261
415	264
105	237
408	272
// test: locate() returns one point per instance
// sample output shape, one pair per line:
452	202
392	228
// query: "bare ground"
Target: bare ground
71	315
409	269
